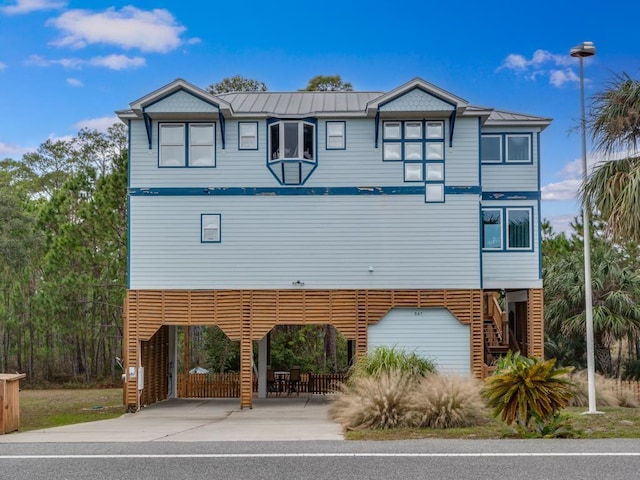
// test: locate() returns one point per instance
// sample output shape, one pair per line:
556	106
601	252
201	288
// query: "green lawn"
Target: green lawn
53	408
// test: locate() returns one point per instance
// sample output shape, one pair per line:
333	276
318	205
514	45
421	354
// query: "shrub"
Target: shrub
608	392
373	402
445	402
526	390
388	359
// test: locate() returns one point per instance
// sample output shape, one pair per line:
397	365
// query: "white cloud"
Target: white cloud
562	223
118	62
74	82
13	150
561	191
558	78
101	124
147	30
28	6
113	62
555	67
2	66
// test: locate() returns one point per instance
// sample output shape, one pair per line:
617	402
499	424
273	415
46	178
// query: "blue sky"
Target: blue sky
65	65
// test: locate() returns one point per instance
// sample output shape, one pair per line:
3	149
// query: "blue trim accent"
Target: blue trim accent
257	136
479	152
503	148
296	190
530	195
539	209
202	215
222	130
377	128
539	242
344	135
148	123
480	252
452	124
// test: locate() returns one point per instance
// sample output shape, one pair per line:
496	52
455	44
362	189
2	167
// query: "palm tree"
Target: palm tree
616	288
613	188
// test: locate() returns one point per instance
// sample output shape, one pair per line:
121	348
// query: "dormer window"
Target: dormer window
292	150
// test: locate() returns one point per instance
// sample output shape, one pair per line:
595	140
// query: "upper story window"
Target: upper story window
506	148
336	136
292	140
292	150
413	140
186	145
516	236
247	135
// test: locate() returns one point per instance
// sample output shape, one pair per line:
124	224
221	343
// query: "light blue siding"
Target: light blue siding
360	164
432	333
269	242
513	269
461	160
416	101
512	177
181	102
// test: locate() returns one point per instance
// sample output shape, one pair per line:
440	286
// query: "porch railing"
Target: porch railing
227	385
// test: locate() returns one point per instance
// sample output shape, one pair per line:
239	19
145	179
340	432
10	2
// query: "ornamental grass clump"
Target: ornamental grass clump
528	392
387	359
373	402
439	401
609	392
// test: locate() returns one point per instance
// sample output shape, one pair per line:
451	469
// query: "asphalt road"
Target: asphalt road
344	460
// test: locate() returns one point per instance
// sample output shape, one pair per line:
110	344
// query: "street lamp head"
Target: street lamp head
585	49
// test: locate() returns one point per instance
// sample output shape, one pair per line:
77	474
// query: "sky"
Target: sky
67	65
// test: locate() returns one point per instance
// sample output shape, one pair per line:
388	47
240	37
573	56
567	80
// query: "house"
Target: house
402	218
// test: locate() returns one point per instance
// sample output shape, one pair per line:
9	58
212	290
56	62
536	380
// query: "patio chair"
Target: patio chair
294	380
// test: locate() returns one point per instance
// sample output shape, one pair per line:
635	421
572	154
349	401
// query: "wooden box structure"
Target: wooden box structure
10	402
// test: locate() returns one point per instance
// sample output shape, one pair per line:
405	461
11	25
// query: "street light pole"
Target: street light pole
587	49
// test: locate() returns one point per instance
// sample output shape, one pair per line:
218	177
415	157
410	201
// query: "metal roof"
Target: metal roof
298	103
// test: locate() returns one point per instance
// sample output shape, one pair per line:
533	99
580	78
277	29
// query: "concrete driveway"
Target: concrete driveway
270	419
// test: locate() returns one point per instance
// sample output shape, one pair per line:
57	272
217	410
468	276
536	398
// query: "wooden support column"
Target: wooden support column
246	353
535	323
187	359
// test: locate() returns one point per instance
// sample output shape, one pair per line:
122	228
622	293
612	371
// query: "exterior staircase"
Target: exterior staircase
496	331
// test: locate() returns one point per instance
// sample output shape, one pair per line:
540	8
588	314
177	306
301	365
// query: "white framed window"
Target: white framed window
491	148
201	145
492	228
413	172
435	151
392	151
172	145
507	228
186	145
210	228
413	130
248	136
292	140
518	148
519	229
391	130
434	193
336	135
435	130
413	151
435	172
